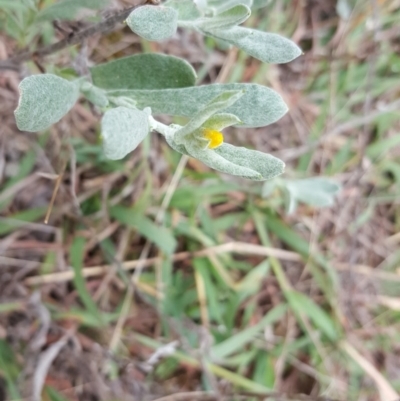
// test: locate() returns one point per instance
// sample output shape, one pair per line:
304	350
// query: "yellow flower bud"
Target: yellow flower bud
215	137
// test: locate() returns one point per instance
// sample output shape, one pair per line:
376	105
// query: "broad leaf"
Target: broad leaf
155	23
122	130
227	19
144	71
68	9
317	191
44	100
187	9
267	47
259	106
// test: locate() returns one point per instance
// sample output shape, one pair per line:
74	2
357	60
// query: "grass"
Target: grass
302	303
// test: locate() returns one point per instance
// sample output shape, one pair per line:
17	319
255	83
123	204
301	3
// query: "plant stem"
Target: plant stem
159	127
73	38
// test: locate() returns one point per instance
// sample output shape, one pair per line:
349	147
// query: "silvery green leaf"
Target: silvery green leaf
270	186
259	4
68	9
227	19
187	9
259	106
94	94
155	23
122	130
267	47
267	166
317	191
221	121
219	6
219	103
44	100
144	71
171	142
214	160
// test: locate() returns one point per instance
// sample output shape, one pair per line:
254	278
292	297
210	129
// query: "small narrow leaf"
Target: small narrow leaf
155	23
144	71
219	103
236	343
94	94
77	252
44	100
227	19
259	105
221	121
161	236
220	6
68	9
122	130
267	47
303	304
260	4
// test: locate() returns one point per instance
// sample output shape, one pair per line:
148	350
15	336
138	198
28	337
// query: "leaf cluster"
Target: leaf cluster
131	91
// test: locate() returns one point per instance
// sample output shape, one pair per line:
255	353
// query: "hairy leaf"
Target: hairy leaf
122	130
68	9
316	191
155	23
221	121
238	161
212	159
265	46
187	9
266	165
179	148
259	106
144	71
44	100
94	94
227	19
219	6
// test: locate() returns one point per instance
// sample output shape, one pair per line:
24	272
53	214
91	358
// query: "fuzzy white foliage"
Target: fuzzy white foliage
44	100
227	19
265	46
259	106
122	130
153	23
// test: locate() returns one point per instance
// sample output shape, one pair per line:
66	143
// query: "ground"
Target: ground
234	295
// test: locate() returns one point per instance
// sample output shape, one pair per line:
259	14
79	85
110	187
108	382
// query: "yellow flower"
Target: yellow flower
214	137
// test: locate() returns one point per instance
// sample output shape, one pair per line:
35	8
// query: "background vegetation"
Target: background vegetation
233	294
